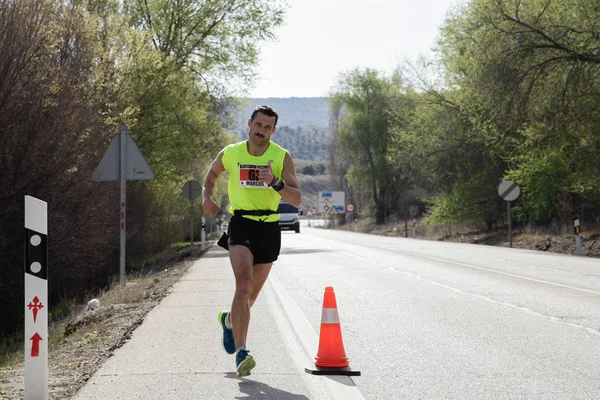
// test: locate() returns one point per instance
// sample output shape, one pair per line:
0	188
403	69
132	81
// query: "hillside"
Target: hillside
304	143
293	111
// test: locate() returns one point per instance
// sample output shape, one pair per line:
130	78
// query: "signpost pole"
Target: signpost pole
509	225
123	178
192	229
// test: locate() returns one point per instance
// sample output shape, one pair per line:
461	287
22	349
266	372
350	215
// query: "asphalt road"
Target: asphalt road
420	320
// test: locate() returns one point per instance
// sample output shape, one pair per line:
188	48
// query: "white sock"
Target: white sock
228	321
240	348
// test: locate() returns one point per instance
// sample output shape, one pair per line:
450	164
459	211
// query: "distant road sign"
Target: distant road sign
136	167
191	190
333	211
330	199
509	190
349	207
313	210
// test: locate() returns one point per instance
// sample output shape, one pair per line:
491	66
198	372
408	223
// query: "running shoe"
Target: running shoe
245	362
228	341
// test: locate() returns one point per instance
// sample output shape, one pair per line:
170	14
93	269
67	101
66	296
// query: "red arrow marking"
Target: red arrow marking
34	306
35	347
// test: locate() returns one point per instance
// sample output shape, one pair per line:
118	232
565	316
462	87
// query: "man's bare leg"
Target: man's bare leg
241	262
261	273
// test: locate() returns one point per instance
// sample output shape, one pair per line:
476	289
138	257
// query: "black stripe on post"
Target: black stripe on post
36	254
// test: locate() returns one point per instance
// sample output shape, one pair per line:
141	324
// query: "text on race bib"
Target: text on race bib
249	176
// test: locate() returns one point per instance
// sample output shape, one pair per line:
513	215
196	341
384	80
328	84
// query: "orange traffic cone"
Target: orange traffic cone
331	357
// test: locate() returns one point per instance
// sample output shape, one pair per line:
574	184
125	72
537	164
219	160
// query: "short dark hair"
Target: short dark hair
268	111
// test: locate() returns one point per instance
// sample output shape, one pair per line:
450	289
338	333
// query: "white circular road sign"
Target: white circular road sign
509	190
349	207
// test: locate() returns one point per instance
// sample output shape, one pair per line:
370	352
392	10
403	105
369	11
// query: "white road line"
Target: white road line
485	298
340	387
491	270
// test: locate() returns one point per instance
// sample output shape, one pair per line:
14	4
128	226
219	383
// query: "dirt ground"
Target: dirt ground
554	243
81	343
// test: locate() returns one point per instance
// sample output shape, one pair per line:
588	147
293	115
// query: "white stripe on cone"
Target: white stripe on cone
330	316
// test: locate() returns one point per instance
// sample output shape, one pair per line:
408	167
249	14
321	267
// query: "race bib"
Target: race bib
249	176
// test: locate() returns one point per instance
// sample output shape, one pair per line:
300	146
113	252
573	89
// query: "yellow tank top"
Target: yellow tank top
246	192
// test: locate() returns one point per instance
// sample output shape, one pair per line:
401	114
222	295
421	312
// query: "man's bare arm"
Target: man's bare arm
208	204
291	191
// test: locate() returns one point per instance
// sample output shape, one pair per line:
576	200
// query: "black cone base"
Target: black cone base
332	371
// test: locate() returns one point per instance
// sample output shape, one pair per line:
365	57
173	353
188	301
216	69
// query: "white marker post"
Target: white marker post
36	299
577	230
203	234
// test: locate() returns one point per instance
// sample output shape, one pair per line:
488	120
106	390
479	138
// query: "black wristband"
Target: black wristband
279	185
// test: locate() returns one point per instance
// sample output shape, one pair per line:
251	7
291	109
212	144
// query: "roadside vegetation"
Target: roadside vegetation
71	73
513	94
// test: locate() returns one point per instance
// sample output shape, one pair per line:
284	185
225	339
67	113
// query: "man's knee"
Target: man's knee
244	286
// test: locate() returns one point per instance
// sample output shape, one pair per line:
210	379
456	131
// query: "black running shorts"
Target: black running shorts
262	238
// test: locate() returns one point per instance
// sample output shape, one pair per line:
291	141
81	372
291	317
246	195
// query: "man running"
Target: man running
260	173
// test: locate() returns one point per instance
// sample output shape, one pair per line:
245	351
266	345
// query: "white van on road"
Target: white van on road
289	216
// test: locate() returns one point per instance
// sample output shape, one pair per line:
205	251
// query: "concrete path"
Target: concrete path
177	352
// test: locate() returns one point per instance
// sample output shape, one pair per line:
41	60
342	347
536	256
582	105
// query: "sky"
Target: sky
322	38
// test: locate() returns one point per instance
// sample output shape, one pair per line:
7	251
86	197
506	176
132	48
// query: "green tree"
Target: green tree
364	100
444	156
526	74
51	132
216	39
